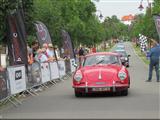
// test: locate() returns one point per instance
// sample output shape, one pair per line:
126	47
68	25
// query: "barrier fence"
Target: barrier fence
16	79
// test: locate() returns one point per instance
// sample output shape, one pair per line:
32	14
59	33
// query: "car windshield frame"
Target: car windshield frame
102	59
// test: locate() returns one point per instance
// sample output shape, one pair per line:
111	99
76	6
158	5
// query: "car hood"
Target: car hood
100	73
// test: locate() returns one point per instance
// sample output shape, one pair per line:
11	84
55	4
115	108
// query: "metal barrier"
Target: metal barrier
3	85
16	80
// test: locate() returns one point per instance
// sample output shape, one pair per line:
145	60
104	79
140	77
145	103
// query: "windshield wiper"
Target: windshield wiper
99	62
114	62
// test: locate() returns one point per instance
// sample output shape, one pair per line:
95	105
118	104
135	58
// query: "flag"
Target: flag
157	24
42	33
67	45
143	42
16	33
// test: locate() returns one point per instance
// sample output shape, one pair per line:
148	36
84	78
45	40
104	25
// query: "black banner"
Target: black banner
68	51
17	47
3	85
42	33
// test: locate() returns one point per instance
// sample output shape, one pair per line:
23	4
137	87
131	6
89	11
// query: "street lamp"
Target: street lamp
141	6
100	16
149	11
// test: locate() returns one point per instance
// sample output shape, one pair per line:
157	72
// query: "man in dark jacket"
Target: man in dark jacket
81	54
154	55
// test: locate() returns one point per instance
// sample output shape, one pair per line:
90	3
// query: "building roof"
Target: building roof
128	18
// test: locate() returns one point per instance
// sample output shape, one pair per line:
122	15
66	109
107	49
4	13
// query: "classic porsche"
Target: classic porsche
101	72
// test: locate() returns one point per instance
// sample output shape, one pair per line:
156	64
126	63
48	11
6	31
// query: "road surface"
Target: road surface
143	100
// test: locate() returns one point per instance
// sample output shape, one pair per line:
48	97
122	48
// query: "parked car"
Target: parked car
120	46
101	72
124	57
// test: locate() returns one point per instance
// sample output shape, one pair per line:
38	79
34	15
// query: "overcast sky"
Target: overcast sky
119	7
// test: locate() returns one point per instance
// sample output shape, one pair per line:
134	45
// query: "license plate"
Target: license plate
100	83
101	89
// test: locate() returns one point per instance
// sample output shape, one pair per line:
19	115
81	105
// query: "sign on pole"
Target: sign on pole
16	41
45	71
54	70
67	47
72	63
42	33
17	79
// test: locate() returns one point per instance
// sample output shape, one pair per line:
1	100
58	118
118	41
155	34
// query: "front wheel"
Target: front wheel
77	94
124	92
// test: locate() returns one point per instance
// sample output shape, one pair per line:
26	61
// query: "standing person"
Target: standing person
50	53
35	47
81	51
154	55
30	55
46	48
57	52
40	56
81	54
94	49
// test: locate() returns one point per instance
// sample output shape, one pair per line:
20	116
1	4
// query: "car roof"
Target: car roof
103	53
120	50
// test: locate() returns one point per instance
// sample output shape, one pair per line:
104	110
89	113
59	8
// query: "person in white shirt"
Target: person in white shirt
50	52
40	56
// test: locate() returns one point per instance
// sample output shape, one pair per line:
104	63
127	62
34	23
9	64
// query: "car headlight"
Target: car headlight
122	75
126	58
78	76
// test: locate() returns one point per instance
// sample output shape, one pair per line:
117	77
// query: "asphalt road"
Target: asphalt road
143	100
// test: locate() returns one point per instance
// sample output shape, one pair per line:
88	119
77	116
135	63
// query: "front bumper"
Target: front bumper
89	89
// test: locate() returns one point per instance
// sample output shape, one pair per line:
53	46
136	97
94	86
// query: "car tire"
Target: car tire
77	94
124	92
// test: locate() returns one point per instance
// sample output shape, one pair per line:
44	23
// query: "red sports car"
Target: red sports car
101	72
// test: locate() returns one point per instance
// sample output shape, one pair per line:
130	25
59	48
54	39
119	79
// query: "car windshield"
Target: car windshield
101	59
123	53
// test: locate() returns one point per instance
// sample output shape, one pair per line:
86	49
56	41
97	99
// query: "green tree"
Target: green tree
114	28
144	24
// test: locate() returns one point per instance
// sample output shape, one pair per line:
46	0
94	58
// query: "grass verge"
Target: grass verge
141	54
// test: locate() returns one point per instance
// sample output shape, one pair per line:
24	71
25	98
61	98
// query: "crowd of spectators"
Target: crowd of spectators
50	53
46	53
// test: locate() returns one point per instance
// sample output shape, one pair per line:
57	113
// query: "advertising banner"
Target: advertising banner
16	39
17	78
45	72
61	67
42	33
54	70
34	75
67	47
3	85
72	63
